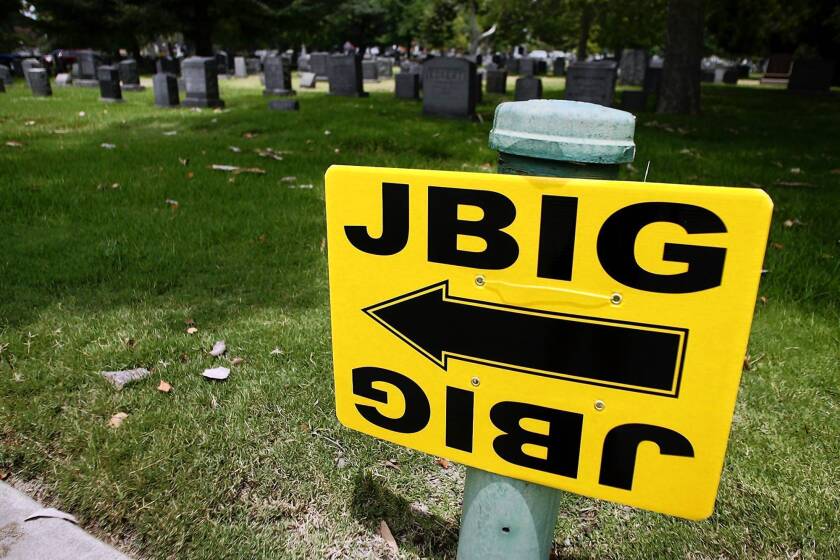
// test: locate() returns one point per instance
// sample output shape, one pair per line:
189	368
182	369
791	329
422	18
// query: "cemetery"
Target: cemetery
297	294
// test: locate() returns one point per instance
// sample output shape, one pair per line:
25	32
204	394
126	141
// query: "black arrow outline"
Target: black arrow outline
444	363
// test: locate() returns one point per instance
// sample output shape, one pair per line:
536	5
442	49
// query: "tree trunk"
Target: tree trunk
587	16
680	91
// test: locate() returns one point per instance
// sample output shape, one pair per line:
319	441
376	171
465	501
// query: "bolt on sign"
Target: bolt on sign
585	335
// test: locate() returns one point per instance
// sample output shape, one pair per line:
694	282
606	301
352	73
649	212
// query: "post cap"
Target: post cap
564	131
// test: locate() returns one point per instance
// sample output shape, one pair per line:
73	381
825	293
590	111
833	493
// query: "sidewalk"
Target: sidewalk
43	538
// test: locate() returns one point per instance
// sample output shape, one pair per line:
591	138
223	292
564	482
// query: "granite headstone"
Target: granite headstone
631	70
527	66
201	82
407	85
811	75
284	105
497	81
166	90
559	66
528	87
6	75
109	84
278	76
129	75
385	66
318	64
449	88
592	82
308	80
240	70
370	71
344	72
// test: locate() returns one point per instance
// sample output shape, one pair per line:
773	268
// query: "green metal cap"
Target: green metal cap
564	131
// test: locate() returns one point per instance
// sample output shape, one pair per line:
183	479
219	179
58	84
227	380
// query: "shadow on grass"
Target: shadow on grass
429	535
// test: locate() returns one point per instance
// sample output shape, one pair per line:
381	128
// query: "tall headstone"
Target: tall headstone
811	75
278	77
527	66
318	64
166	90
27	65
385	66
449	88
240	70
303	64
252	65
512	65
592	82
201	82
39	82
109	84
344	72
407	85
167	65
129	75
528	87
497	81
370	71
559	66
223	61
6	75
631	70
89	62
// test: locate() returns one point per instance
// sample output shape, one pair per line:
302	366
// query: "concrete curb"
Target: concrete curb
44	538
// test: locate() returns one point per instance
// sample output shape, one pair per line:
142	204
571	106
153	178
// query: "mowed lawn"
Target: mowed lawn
116	236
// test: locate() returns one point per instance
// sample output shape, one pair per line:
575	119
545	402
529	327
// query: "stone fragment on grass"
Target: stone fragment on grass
218	374
119	378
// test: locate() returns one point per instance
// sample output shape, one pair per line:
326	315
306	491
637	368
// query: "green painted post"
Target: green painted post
505	518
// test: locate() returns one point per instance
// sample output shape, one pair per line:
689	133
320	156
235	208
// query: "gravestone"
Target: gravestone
527	66
129	76
385	66
74	71
284	105
528	87
307	80
64	79
39	82
653	80
633	101
240	70
370	71
26	65
168	65
743	71
540	67
559	66
778	69
497	81
631	70
109	84
449	88
318	64
201	82
592	82
730	76
512	65
165	86
6	75
252	65
344	72
407	85
89	62
278	76
811	75
410	67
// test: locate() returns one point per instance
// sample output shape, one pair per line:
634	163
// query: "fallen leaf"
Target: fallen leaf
51	513
14	144
795	170
236	170
117	420
130	342
183	358
392	464
172	203
190	174
164	387
183	161
385	533
327	133
793	184
790	222
249	135
192	330
235	149
763	299
778	246
237	361
442	463
289	179
323	244
108	146
213	402
82	113
276	352
170	133
218	374
120	378
4	474
29	123
218	349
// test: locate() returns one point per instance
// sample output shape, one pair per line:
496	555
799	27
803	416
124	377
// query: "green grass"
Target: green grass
98	272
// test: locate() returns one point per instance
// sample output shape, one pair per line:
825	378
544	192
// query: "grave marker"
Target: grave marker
345	75
6	75
308	80
89	62
278	77
631	70
318	64
109	84
527	66
528	87
201	82
165	86
370	71
240	70
385	66
592	82
449	88
811	75
284	105
407	85
129	75
778	69
559	66
39	82
497	81
26	65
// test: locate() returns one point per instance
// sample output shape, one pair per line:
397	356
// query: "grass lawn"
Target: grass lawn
99	272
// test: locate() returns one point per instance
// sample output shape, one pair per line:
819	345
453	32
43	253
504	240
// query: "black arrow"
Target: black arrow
631	356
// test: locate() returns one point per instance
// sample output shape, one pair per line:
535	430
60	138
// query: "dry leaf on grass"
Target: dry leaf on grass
237	361
793	184
14	144
289	179
217	374
117	420
237	170
763	299
171	203
790	222
443	463
108	146
269	153
192	330
249	135
170	133
235	149
183	161
777	246
4	474
385	533
276	352
392	464
164	387
51	513
218	349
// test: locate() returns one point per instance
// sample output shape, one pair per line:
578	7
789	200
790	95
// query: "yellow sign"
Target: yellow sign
585	335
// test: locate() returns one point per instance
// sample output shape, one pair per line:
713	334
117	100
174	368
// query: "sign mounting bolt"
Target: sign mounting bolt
616	299
480	280
475	381
600	405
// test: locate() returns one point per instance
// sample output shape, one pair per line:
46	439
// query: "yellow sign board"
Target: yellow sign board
580	334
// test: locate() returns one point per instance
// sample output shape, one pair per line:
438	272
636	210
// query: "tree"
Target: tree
680	91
